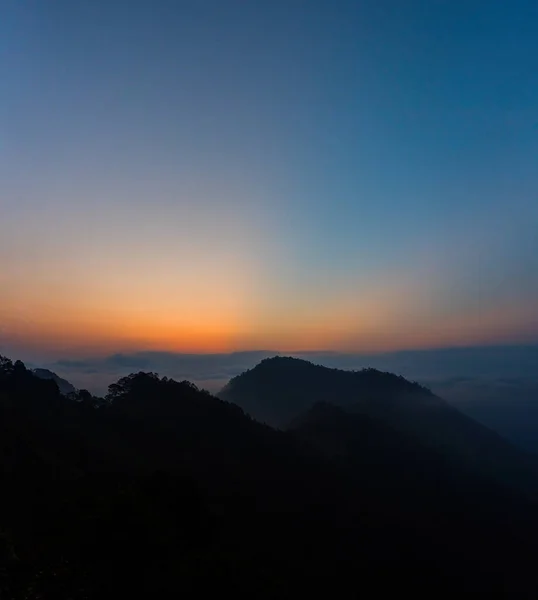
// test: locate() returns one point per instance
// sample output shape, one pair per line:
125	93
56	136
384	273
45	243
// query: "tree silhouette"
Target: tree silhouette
6	366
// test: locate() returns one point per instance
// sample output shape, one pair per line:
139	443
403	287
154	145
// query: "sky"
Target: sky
214	176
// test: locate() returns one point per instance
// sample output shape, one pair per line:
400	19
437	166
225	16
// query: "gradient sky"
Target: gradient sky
219	175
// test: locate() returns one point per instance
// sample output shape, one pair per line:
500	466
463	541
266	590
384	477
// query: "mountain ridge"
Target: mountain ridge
64	386
278	390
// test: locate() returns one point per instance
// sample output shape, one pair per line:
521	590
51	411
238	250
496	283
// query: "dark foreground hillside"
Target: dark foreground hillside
166	491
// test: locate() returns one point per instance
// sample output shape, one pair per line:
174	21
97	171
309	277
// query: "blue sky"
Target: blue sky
213	176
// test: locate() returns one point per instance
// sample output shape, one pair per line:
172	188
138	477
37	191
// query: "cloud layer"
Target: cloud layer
449	370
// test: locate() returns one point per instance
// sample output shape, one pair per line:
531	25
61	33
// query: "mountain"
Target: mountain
387	463
279	389
162	489
63	385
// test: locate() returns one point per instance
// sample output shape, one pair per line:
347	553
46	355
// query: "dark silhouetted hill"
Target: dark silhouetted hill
63	385
279	389
390	463
161	489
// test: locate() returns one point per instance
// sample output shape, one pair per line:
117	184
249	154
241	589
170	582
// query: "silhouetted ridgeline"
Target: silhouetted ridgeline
163	490
280	389
63	385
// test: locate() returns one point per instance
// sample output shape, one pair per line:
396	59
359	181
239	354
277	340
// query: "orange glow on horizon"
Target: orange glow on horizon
222	311
130	337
